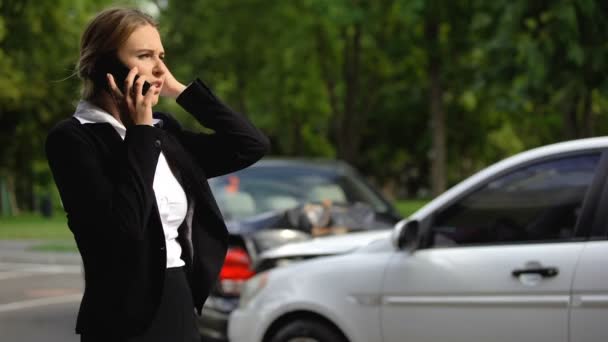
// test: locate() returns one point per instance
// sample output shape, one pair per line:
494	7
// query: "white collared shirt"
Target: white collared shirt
170	196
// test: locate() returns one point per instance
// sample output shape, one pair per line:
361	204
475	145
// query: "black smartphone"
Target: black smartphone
111	64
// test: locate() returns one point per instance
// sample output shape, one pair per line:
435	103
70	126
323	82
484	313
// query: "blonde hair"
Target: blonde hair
108	30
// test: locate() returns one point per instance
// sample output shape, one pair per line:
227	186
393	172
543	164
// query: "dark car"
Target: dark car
277	201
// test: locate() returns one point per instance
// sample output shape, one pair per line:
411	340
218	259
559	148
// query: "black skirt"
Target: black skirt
174	321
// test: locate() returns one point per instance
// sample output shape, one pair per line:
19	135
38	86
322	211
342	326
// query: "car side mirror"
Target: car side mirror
405	234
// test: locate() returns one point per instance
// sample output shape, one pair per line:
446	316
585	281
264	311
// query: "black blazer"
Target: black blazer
105	185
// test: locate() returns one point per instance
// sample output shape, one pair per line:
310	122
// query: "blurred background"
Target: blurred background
416	94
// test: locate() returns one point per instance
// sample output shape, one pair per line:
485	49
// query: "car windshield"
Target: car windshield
263	188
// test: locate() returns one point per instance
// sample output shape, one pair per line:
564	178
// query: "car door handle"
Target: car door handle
545	272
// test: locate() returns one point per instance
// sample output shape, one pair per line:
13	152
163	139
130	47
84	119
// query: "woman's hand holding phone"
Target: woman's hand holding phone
132	102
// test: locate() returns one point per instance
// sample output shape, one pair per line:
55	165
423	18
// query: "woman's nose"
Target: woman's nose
159	68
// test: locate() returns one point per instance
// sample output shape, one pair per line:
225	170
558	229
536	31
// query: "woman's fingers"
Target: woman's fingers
113	87
131	89
148	99
151	93
143	103
137	89
128	86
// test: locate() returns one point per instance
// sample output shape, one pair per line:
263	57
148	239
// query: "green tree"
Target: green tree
38	50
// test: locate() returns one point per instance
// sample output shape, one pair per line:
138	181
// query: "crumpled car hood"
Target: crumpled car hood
326	245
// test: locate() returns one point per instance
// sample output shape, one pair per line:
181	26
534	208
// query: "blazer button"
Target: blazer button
162	248
157	143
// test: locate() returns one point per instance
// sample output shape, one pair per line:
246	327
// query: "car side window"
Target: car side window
538	202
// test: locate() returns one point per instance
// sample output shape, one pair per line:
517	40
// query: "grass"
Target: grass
53	231
34	227
408	207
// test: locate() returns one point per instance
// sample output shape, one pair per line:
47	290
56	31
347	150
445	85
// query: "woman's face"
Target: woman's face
144	50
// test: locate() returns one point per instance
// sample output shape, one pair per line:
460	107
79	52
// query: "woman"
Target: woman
133	185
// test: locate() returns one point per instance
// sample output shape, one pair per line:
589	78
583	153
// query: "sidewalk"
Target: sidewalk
19	251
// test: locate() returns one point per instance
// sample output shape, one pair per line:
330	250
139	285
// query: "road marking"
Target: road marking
51	292
11	275
55	269
39	302
36	266
16	270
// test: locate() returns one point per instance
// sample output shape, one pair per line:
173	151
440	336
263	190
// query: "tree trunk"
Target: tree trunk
323	52
569	122
12	198
298	142
438	130
348	142
438	155
578	120
587	116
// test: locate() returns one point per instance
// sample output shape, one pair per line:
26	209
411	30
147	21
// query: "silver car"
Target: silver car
517	252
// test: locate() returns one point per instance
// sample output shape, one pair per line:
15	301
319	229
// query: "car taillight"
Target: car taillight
236	271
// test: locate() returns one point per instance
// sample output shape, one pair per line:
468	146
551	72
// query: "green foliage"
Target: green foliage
341	78
38	50
406	208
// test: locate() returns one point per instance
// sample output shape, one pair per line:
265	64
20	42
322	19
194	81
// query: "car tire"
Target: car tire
307	330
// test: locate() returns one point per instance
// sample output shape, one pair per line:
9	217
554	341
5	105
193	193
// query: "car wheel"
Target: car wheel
307	331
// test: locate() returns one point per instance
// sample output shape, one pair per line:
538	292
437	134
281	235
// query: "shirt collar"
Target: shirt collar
86	112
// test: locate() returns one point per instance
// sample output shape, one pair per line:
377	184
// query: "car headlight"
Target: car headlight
252	287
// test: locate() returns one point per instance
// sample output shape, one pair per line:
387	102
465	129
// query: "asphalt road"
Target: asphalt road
39	302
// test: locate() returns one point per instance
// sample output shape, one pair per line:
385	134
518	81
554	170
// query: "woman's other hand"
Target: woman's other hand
171	87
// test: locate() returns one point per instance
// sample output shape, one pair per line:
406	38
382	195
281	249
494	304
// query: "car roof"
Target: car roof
566	147
324	164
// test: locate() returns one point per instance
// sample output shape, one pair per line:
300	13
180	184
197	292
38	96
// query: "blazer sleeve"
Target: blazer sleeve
235	144
90	198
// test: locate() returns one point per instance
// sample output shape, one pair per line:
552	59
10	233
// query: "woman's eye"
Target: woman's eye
143	56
